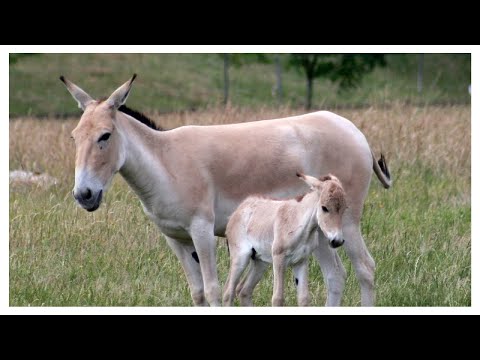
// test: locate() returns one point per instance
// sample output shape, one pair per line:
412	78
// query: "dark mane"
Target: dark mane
140	117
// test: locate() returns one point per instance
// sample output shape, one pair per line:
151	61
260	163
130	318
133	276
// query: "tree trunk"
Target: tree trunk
226	81
309	92
278	78
420	73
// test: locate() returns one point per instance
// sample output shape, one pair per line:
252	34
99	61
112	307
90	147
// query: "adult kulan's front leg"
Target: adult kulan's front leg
333	271
362	262
188	257
205	243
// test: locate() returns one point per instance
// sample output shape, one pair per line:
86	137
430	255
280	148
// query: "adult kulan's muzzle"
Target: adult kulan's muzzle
88	199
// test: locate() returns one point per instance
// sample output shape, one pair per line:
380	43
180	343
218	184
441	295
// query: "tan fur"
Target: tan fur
191	179
191	151
96	121
282	232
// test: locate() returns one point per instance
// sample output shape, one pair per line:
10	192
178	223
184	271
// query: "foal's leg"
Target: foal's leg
187	255
334	273
241	284
301	281
278	279
255	272
238	263
242	281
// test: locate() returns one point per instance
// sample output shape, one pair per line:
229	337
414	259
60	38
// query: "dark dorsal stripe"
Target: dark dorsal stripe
140	117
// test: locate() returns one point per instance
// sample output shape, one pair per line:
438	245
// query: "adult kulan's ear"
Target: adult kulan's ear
119	96
78	94
311	181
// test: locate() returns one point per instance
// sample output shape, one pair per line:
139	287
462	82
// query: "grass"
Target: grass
418	231
174	82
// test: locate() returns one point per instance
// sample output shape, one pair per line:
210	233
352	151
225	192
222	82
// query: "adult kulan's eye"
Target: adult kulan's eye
104	137
324	209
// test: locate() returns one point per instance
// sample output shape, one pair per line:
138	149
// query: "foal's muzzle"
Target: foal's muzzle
335	239
88	199
335	243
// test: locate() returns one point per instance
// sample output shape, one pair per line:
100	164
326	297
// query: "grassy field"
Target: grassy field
418	231
174	82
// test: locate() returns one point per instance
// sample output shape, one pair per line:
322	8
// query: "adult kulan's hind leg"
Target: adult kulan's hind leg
361	259
188	257
333	271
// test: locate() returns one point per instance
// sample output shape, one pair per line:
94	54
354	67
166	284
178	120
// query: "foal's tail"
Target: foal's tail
382	172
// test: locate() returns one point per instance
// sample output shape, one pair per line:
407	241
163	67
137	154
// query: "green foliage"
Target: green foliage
60	255
14	58
347	69
239	59
352	68
178	82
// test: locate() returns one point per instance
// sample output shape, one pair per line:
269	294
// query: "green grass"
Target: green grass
173	82
418	231
63	256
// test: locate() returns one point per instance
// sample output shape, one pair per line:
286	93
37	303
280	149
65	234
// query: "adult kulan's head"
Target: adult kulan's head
330	206
99	149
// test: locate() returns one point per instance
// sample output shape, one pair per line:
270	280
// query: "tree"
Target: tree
278	79
347	69
226	80
13	58
238	60
420	73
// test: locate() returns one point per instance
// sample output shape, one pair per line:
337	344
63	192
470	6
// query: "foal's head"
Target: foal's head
330	206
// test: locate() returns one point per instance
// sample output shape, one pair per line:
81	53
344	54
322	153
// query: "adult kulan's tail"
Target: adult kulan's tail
382	172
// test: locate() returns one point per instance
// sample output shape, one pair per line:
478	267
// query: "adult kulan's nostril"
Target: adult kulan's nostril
87	195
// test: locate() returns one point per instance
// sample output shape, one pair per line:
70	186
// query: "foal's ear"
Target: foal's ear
329	177
119	96
78	94
311	181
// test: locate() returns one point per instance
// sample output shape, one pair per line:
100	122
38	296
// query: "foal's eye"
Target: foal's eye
104	137
324	209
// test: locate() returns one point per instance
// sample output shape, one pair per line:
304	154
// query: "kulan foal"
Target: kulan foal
283	232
